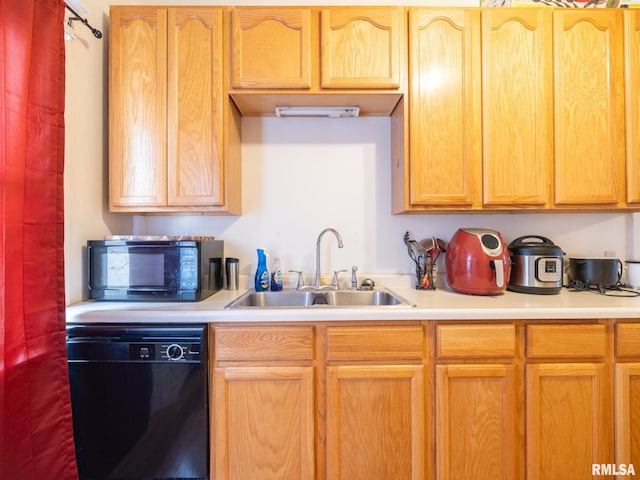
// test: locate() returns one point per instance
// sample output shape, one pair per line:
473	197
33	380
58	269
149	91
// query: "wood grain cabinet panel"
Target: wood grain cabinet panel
271	48
375	343
566	341
517	115
362	47
477	422
475	341
174	136
138	107
375	422
264	424
632	102
627	415
588	107
444	108
263	343
195	169
628	340
568	420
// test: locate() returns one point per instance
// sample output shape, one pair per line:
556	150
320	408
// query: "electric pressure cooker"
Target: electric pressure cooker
536	265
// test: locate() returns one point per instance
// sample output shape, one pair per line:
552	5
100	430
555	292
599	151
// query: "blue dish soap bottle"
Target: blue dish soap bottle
276	275
262	274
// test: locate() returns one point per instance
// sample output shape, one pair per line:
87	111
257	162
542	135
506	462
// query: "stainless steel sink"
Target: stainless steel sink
378	297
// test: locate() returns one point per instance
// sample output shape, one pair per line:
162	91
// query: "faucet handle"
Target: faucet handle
354	278
300	283
336	282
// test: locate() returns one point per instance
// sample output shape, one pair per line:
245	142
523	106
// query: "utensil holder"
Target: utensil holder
425	278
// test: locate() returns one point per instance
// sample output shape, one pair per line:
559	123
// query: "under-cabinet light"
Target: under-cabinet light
333	112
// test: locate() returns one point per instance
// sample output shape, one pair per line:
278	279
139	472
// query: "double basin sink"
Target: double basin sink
378	297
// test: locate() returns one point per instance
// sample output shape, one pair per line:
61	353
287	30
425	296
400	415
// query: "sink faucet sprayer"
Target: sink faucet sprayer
338	237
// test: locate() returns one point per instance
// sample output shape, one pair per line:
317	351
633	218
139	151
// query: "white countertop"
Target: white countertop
440	304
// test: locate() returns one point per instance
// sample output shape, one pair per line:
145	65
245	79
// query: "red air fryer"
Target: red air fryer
478	262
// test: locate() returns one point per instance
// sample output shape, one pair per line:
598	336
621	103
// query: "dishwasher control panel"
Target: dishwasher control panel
169	351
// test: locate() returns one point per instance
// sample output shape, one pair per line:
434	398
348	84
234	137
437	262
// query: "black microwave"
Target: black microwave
154	270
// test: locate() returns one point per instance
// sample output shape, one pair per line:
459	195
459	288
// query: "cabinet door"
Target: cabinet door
137	106
195	158
477	437
271	47
568	420
375	422
516	106
362	47
264	423
444	109
632	98
588	108
628	413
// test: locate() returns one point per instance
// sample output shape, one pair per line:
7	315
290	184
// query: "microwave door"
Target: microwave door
139	268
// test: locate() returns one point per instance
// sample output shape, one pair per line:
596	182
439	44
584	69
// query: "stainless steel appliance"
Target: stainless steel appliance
150	269
536	265
139	400
477	262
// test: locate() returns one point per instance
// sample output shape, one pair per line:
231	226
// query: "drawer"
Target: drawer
566	341
628	339
375	343
475	341
263	343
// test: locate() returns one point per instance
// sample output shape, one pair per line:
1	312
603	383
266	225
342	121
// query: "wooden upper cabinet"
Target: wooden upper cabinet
517	114
362	47
632	101
444	107
195	112
588	108
271	47
138	106
174	136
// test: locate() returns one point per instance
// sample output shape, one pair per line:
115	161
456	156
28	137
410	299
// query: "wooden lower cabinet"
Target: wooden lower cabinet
265	423
477	420
569	400
262	405
478	402
569	426
425	400
375	418
375	402
627	395
628	414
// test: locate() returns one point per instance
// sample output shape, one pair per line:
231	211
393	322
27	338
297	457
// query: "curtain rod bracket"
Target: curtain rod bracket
96	33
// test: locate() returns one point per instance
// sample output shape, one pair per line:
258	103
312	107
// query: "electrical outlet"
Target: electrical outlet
610	253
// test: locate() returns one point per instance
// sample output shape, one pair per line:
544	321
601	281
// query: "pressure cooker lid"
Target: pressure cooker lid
534	245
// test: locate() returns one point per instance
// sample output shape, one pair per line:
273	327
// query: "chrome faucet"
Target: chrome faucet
338	237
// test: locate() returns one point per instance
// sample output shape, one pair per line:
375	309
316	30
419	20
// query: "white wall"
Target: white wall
299	177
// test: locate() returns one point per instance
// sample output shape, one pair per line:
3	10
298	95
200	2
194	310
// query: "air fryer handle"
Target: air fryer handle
498	266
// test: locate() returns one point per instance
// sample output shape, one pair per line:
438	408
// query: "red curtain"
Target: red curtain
36	434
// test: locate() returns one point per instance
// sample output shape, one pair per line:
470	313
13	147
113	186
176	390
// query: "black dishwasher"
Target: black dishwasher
139	398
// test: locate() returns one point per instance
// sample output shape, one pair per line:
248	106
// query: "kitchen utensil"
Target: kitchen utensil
601	273
410	249
536	265
477	262
420	256
633	273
